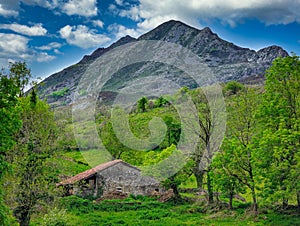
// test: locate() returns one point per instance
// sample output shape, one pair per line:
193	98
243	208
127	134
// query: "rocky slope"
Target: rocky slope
226	60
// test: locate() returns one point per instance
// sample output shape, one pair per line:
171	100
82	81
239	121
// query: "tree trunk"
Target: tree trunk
199	178
174	187
230	200
285	202
298	199
255	206
22	214
25	221
176	192
209	189
252	186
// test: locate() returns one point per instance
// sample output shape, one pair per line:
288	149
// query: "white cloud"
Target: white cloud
151	13
83	8
12	7
133	13
7	12
36	30
120	31
119	2
56	51
123	3
50	46
113	9
44	57
15	47
82	36
42	3
98	23
12	45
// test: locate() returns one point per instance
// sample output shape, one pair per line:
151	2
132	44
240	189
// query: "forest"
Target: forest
252	178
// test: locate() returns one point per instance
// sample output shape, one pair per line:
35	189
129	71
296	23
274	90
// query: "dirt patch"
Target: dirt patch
113	195
166	196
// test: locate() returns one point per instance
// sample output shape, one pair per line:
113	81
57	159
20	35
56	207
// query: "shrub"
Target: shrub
77	204
233	87
56	217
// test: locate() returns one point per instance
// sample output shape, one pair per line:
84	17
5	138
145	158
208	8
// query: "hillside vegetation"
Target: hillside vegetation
252	179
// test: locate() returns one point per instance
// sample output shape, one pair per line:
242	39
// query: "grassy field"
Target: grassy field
148	211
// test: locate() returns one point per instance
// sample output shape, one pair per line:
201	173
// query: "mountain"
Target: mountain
226	60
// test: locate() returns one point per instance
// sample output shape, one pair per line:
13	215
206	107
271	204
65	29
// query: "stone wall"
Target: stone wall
120	177
124	178
87	187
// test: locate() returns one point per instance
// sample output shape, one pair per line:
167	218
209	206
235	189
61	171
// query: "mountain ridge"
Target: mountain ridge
227	60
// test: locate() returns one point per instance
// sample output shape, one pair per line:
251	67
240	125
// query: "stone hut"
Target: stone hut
111	177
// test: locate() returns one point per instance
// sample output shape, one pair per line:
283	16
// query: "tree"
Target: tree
233	87
30	157
9	122
21	75
160	102
142	104
239	145
110	140
202	114
9	125
173	132
155	165
280	126
226	183
203	122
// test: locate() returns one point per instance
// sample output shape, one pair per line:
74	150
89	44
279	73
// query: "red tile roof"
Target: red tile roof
88	173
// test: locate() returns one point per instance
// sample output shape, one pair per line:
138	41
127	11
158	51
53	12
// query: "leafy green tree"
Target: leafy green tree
160	102
29	157
173	132
159	168
233	87
207	116
139	127
224	181
239	145
110	140
21	75
203	134
9	125
280	125
142	104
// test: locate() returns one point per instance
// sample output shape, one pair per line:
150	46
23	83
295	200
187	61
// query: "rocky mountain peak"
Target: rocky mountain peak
272	51
100	51
123	41
226	60
177	32
207	30
169	31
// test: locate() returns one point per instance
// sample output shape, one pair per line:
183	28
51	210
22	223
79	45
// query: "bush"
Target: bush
77	204
56	217
233	87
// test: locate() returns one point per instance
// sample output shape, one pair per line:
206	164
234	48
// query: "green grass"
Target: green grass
189	183
74	162
69	167
147	211
92	157
60	93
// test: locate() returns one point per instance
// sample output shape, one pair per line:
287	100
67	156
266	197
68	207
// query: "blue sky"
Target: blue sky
53	34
